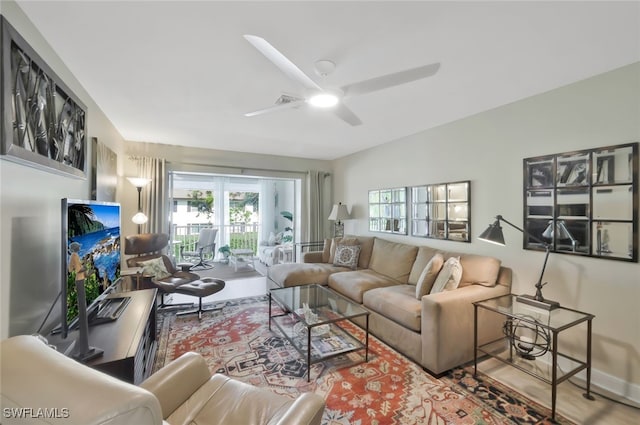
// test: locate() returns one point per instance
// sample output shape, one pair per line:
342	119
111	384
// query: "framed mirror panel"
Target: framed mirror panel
388	210
441	211
584	202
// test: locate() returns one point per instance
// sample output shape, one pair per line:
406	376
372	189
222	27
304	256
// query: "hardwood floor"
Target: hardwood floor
570	402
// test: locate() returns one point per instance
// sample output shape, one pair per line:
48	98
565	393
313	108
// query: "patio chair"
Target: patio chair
206	246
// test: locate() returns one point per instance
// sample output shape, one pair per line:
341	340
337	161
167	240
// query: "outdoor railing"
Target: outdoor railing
237	235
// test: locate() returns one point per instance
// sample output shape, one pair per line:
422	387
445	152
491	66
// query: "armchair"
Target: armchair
206	245
182	392
159	271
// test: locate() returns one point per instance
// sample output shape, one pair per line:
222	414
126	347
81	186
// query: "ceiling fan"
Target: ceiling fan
329	97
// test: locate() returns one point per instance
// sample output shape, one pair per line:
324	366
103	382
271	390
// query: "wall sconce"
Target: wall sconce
139	182
338	213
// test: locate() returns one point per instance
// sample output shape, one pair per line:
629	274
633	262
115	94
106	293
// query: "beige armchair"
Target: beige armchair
37	379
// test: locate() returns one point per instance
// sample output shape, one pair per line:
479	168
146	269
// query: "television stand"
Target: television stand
129	343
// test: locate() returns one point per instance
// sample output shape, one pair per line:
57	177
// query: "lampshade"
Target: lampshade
339	212
139	218
493	234
139	181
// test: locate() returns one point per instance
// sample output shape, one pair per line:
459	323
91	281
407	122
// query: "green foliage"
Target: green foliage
239	215
238	203
91	287
203	202
245	240
288	215
287	237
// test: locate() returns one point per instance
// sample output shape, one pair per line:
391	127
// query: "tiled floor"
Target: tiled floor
570	402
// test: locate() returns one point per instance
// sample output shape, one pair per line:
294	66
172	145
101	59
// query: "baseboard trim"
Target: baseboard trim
606	382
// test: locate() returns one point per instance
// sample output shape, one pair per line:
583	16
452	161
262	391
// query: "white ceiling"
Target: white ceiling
181	73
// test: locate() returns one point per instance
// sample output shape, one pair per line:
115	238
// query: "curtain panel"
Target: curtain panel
154	195
318	195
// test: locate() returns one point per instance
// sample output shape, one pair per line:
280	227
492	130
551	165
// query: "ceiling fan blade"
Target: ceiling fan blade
281	61
346	114
390	80
278	107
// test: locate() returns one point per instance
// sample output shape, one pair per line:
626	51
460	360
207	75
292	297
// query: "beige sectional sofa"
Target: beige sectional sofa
435	330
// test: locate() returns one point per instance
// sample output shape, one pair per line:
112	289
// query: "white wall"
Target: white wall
488	149
30	231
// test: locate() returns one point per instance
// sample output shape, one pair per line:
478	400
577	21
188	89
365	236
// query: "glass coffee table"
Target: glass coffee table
311	321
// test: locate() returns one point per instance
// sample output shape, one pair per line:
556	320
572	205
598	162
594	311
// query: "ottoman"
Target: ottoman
200	288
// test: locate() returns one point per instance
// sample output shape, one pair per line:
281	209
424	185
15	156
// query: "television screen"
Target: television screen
91	253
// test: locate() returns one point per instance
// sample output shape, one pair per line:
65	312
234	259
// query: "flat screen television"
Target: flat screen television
90	252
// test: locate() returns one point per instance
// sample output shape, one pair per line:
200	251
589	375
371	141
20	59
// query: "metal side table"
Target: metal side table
530	332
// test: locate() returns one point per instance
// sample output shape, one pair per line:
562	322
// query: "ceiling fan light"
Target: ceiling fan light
324	100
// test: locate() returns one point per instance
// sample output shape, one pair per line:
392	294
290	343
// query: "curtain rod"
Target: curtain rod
246	169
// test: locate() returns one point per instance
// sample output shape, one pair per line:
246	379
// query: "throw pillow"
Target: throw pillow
155	268
347	256
429	275
348	240
272	239
449	277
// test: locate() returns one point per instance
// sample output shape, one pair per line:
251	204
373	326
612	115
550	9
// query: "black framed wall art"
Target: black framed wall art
43	123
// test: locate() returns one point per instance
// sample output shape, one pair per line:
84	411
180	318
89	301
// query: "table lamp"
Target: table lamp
493	234
338	213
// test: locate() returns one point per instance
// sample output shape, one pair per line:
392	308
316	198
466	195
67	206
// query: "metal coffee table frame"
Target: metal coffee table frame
331	309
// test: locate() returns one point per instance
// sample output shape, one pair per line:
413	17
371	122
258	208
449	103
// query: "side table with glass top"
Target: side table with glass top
312	319
531	332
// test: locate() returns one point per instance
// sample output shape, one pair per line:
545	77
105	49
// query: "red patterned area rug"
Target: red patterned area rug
388	389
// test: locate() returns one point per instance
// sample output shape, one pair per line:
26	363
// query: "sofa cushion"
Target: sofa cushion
347	256
479	270
428	276
293	274
397	303
354	284
366	246
449	277
392	259
424	255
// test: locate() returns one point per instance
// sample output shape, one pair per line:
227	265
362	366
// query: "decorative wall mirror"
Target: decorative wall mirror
388	210
441	211
584	202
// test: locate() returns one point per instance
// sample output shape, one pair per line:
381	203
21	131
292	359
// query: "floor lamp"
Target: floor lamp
139	218
493	234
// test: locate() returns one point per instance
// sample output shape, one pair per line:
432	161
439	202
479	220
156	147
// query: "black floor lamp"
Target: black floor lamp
493	234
